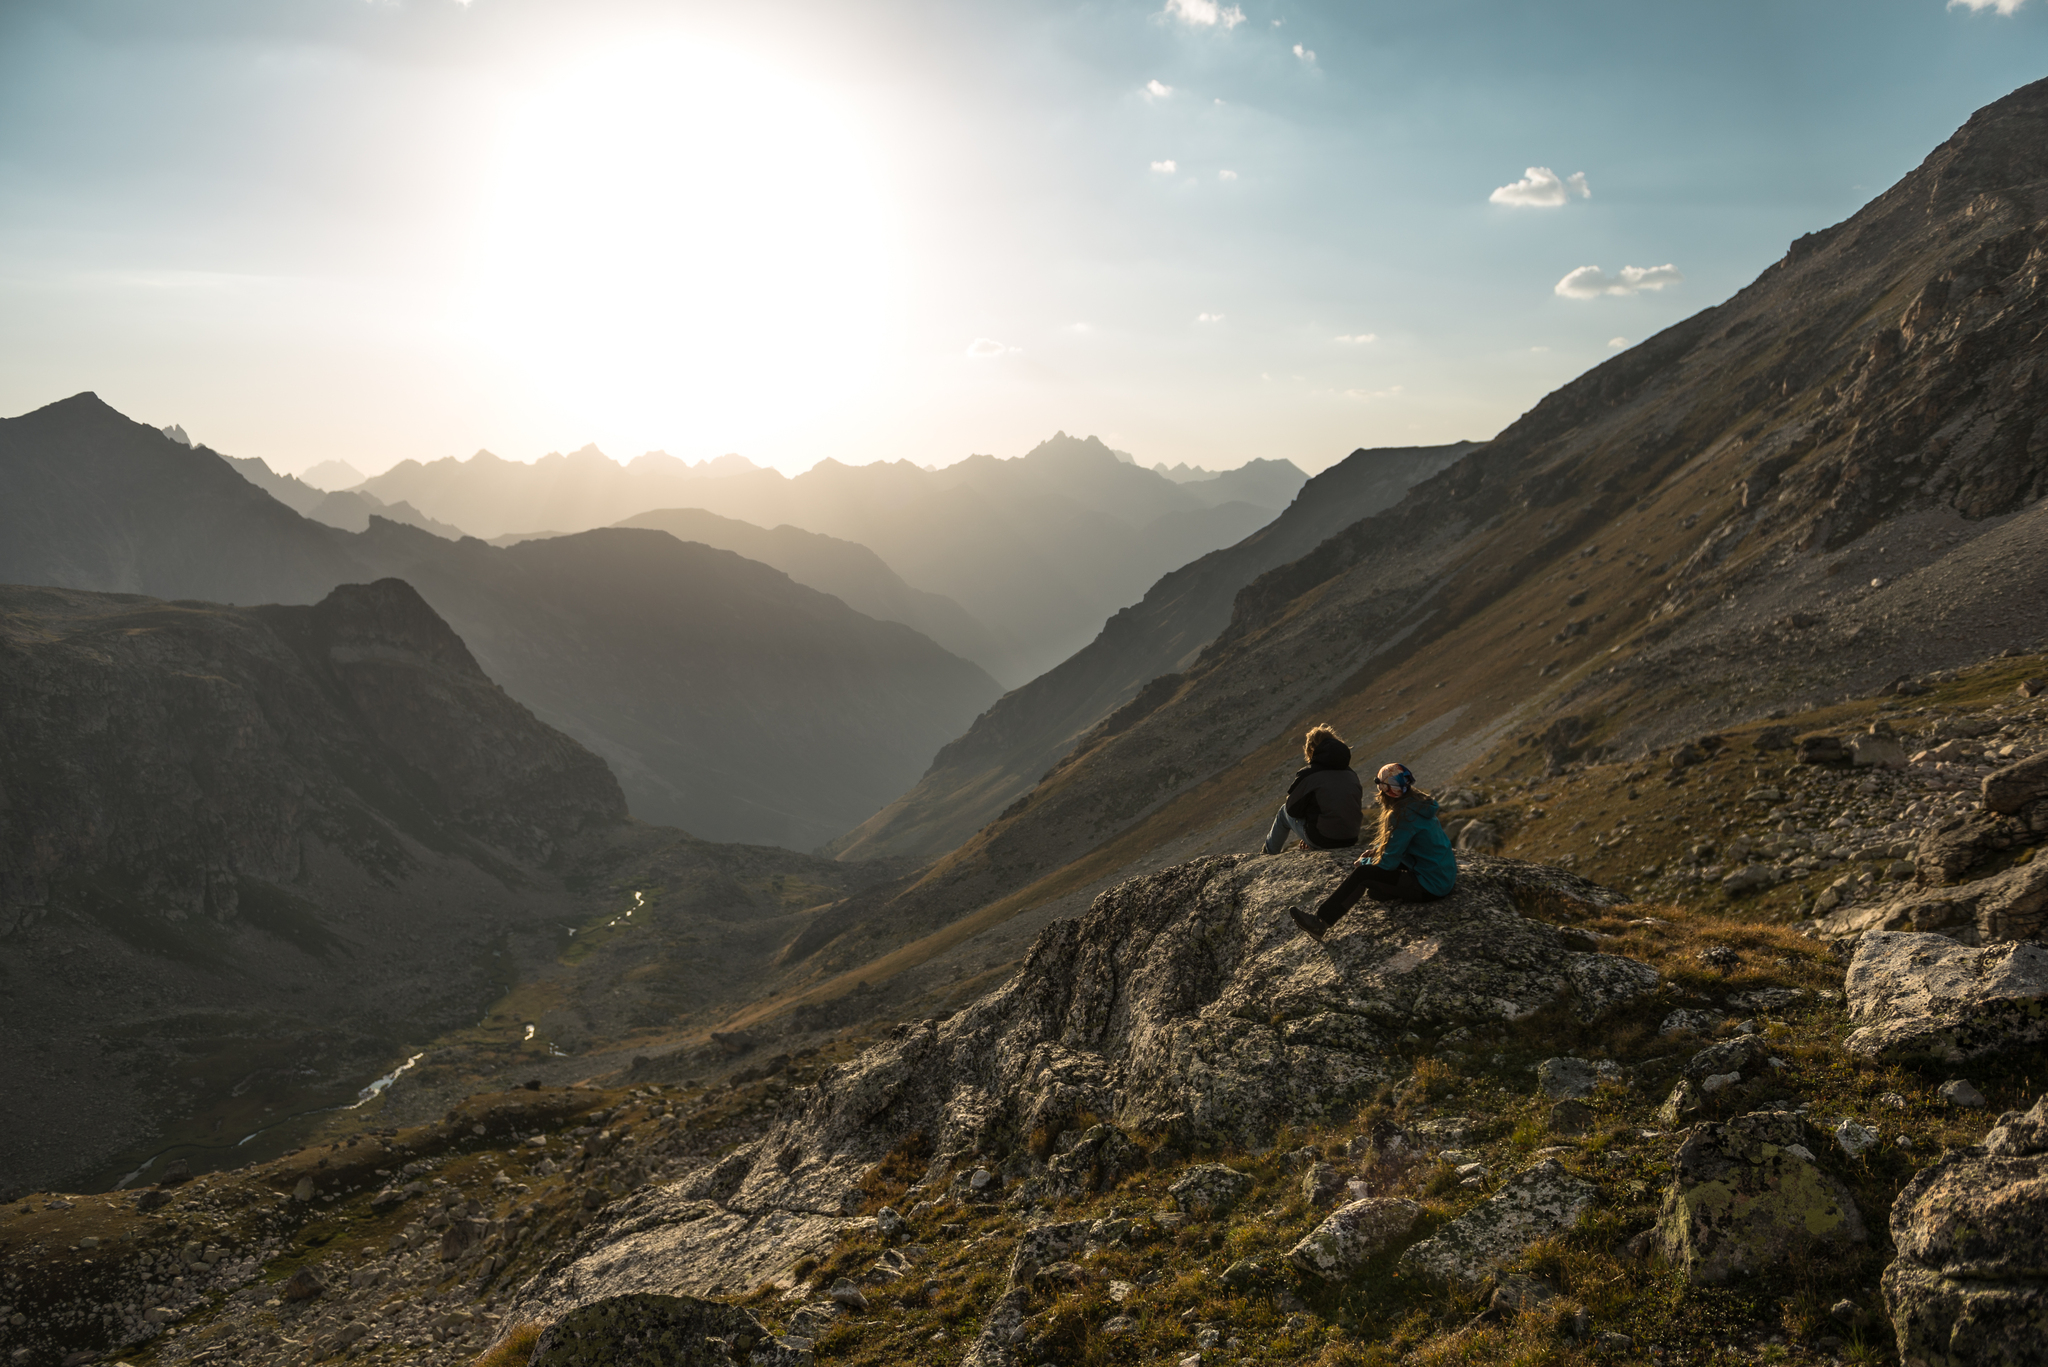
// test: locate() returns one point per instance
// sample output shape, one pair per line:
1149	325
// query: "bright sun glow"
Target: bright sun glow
687	245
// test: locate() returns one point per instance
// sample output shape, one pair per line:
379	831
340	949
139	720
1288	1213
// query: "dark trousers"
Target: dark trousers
1397	885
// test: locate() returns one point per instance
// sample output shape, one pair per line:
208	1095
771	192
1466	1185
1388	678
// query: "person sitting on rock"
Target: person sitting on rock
1411	861
1325	805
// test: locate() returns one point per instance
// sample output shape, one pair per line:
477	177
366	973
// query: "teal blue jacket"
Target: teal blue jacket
1418	842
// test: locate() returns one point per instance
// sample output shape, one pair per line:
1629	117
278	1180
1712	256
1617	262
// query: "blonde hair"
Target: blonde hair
1392	813
1315	737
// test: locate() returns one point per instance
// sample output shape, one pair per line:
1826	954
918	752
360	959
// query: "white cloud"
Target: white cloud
1226	175
1590	282
1165	168
1979	6
1157	90
1539	350
1617	343
1203	13
1307	54
1368	395
1542	188
1079	327
1357	338
988	348
1208	317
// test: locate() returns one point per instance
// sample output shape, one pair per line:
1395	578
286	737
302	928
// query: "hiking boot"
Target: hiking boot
1309	922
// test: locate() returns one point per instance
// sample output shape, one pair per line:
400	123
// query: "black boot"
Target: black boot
1309	922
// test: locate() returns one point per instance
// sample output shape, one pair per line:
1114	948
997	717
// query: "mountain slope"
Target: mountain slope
731	700
243	836
95	501
1039	549
1834	478
736	702
1006	752
850	572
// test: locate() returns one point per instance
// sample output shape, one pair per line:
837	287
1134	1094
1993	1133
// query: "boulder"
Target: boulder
1534	1204
1743	1055
1352	1235
2012	905
1098	1160
1969	1287
1210	1189
1955	849
654	1331
1748	1194
1926	996
1823	750
1183	1003
1567	1079
1322	1184
2013	787
1876	752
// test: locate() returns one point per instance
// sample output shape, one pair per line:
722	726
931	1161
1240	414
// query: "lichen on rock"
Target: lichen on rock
1535	1204
1747	1194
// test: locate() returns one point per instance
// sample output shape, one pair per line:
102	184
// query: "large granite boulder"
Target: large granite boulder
1535	1204
1748	1194
1353	1234
1184	1003
1970	1285
1926	996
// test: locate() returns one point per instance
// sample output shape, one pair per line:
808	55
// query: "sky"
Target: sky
361	230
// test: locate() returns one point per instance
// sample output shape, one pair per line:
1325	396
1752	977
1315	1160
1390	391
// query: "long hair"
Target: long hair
1393	811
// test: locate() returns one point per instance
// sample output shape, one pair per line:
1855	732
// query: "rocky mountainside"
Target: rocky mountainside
1142	647
1039	549
1794	498
851	573
1525	1123
95	501
729	699
234	837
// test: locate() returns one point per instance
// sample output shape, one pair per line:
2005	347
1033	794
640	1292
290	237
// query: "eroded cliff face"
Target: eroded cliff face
239	840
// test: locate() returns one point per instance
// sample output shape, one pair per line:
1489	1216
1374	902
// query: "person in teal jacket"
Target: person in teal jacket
1411	861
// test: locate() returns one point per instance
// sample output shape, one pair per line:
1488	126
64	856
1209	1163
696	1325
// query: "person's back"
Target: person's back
1325	804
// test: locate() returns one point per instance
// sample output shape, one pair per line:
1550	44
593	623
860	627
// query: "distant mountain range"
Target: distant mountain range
1039	550
1140	649
733	701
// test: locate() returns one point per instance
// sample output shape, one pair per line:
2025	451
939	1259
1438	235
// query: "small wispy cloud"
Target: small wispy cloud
1165	168
1368	395
1080	327
988	348
1226	175
1157	90
1979	6
1539	350
1590	282
1542	188
1307	54
1203	13
1616	343
1208	317
1356	338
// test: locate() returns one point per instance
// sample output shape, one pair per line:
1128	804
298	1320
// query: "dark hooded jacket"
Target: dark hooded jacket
1327	798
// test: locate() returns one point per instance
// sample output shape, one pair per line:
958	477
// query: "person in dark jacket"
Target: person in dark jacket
1325	805
1411	861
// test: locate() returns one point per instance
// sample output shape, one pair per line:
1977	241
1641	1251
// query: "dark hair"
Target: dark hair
1317	734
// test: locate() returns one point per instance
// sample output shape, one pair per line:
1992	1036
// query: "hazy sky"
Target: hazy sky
312	229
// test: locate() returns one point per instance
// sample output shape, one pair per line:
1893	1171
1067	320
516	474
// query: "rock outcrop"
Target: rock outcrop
1534	1204
1748	1194
1184	1006
1970	1285
661	1331
1353	1234
2012	905
1926	996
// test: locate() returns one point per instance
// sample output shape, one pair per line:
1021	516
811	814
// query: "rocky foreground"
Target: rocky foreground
1531	1122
